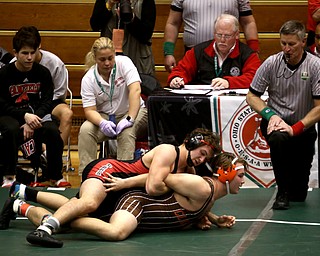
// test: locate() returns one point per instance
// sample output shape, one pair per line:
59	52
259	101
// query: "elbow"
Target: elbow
155	189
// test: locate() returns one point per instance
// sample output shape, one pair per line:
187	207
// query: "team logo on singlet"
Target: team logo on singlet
102	169
235	71
247	141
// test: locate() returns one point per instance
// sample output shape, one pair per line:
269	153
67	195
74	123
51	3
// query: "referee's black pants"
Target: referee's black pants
291	158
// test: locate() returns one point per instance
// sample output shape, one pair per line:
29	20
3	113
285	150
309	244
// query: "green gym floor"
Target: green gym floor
259	231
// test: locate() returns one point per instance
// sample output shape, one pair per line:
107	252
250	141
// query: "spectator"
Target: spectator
110	92
315	47
136	33
198	18
292	79
5	57
59	75
313	19
224	62
25	111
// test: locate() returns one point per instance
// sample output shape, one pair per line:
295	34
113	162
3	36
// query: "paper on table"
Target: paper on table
184	91
198	87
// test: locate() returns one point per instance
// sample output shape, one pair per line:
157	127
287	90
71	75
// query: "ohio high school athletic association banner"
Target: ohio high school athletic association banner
239	128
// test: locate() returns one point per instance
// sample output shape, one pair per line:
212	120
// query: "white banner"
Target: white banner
239	128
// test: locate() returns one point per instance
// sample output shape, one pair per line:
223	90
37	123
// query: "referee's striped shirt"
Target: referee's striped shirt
199	16
291	91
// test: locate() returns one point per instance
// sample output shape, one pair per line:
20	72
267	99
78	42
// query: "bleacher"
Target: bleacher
65	30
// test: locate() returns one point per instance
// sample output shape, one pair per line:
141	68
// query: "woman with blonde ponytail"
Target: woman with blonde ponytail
110	92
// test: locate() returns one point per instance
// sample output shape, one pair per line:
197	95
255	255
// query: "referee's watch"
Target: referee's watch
130	119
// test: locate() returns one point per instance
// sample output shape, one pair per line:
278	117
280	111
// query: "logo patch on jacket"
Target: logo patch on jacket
235	71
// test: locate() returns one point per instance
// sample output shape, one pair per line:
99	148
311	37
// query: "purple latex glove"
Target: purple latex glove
108	128
124	123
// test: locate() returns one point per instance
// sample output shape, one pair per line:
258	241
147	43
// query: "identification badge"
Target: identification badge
117	38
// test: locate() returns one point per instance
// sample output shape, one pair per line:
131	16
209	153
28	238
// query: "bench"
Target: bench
65	30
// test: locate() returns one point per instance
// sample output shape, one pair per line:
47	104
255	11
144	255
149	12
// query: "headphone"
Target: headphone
194	141
228	174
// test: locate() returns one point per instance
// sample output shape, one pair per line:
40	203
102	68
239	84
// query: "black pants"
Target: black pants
12	138
291	158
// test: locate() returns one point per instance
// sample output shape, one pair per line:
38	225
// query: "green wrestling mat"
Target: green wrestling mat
259	231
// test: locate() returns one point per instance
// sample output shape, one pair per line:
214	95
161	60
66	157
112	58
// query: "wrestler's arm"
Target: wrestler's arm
194	187
162	164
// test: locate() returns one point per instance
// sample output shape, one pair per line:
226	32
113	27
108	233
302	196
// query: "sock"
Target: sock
45	218
21	207
51	225
30	194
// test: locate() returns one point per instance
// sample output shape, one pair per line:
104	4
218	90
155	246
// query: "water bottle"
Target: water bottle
112	118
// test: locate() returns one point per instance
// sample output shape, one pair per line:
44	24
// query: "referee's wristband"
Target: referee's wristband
298	128
267	113
168	48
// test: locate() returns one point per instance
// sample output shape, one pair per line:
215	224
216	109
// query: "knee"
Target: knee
67	115
10	126
87	129
90	206
277	138
115	234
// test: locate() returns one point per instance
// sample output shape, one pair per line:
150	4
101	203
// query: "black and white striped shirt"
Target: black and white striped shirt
199	16
291	91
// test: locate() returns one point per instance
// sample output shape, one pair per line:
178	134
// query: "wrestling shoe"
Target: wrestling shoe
17	190
7	182
42	238
7	213
63	184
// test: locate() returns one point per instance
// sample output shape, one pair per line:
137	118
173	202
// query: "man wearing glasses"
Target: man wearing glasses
225	62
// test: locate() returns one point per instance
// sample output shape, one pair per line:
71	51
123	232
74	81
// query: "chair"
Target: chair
67	158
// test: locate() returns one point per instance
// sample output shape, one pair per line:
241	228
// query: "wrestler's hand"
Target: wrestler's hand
114	183
204	223
225	221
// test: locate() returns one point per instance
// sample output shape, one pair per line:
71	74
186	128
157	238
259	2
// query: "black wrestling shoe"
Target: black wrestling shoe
42	238
281	203
7	213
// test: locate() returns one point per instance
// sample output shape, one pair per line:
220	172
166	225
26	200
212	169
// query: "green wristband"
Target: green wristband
168	48
267	113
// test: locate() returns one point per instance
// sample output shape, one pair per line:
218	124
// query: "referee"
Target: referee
292	79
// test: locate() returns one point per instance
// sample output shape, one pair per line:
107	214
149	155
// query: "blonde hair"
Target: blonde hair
99	44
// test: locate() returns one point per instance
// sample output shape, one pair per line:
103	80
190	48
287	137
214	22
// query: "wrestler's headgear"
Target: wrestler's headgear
227	175
194	141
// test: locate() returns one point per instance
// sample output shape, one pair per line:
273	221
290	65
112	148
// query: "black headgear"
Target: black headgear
194	141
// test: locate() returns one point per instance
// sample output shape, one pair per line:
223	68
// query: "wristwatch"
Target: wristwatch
130	119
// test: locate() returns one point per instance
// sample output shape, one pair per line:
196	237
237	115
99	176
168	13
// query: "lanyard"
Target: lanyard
113	76
218	71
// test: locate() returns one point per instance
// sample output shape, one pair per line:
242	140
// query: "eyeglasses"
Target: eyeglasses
317	36
226	36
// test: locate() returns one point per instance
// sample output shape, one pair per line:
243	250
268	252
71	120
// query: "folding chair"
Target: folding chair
67	158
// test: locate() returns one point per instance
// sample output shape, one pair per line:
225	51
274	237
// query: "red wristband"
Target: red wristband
297	128
253	44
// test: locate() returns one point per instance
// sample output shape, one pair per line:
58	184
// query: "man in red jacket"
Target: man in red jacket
224	62
315	47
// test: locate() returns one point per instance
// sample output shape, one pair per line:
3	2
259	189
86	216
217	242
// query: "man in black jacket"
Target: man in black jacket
134	32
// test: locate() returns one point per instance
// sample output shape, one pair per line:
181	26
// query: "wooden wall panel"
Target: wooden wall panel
66	31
